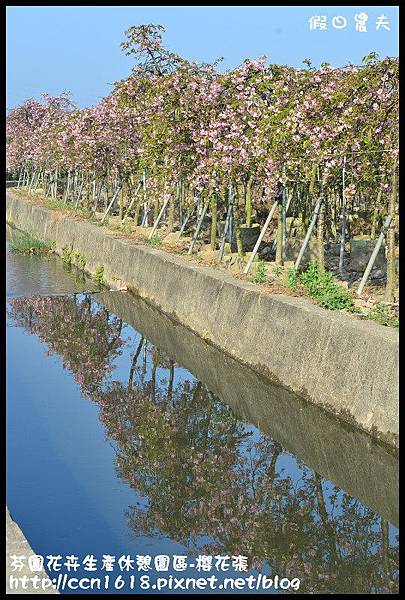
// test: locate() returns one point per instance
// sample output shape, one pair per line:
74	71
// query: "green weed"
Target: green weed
292	278
79	259
383	315
261	274
67	254
27	243
99	274
154	240
320	286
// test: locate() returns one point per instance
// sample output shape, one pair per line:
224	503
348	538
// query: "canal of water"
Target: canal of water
129	436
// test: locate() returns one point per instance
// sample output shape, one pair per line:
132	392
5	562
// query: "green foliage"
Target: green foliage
292	278
383	315
67	255
85	212
154	240
260	275
51	203
99	274
79	259
27	243
370	58
277	270
320	286
127	227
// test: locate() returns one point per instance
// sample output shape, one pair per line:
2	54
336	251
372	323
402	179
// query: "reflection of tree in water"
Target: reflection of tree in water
82	332
210	482
203	475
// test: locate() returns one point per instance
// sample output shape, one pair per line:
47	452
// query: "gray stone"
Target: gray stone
17	544
249	236
360	252
333	249
266	253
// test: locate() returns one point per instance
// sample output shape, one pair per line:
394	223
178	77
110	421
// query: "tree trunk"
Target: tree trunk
391	275
236	217
321	237
331	534
171	381
375	215
170	220
214	213
248	205
134	361
121	204
280	230
385	545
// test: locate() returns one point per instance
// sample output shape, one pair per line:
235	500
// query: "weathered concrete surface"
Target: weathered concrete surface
348	367
17	545
365	469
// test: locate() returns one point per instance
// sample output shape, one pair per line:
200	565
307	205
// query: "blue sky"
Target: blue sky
76	48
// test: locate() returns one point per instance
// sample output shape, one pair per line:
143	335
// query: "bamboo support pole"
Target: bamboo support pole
98	195
156	223
20	177
117	189
309	233
197	229
373	256
186	220
131	203
145	216
261	236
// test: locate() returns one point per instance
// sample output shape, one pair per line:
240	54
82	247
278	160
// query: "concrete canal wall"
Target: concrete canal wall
346	366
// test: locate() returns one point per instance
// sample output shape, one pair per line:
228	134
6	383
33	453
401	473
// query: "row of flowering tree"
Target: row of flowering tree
177	139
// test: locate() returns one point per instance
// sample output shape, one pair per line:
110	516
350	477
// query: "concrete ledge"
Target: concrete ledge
348	367
16	544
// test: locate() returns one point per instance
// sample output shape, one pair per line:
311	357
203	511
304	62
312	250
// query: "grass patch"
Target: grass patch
52	203
79	259
261	272
26	243
67	254
155	240
320	286
382	314
99	274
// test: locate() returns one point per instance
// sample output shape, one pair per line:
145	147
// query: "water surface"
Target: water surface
126	434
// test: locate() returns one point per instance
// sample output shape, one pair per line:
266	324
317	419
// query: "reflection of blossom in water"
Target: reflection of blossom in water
82	333
209	482
204	475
